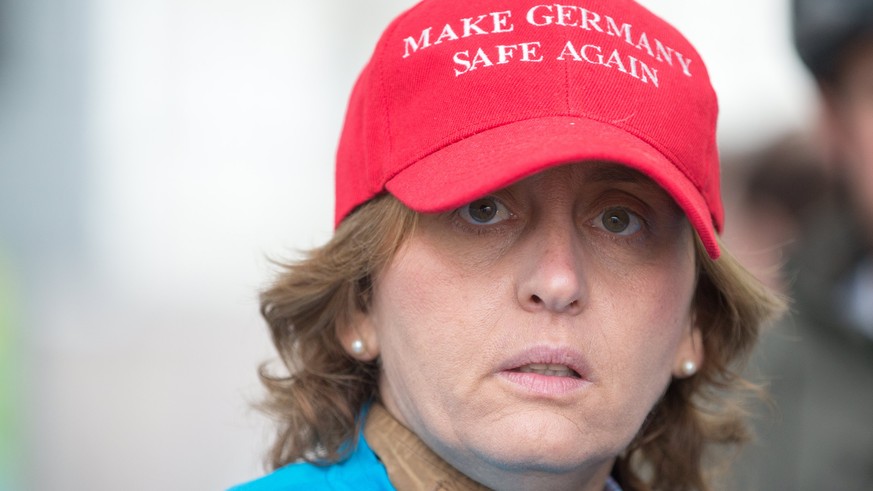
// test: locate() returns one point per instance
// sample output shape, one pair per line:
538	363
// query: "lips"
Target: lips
546	371
549	370
543	359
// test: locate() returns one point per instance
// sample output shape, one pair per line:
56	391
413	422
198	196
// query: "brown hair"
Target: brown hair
317	398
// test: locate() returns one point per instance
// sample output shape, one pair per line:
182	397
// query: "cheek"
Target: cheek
653	307
436	330
430	318
406	306
401	313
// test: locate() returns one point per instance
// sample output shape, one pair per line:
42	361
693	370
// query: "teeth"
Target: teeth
550	370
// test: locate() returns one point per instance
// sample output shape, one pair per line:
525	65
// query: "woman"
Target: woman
525	289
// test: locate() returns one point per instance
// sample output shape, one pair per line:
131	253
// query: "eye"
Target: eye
619	221
485	211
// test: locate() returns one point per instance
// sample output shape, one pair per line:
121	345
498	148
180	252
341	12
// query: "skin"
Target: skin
462	298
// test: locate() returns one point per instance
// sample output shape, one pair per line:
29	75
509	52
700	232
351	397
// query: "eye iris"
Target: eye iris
483	210
616	220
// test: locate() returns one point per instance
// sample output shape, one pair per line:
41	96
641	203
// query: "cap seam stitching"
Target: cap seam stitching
383	47
566	88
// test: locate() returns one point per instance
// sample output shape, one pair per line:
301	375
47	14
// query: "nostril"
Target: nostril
538	302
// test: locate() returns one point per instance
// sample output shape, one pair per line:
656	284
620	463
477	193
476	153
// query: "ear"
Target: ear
689	356
358	337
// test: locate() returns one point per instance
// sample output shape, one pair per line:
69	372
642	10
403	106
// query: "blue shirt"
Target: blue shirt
361	471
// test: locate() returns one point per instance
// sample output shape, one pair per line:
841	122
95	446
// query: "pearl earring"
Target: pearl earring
689	368
357	346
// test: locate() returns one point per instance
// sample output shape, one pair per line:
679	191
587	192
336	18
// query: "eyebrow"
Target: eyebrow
617	173
609	172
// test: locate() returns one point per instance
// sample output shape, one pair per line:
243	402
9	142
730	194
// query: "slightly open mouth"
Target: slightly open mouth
548	370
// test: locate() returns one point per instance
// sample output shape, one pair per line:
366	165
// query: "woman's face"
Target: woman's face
528	334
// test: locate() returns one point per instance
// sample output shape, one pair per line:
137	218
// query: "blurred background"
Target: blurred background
153	155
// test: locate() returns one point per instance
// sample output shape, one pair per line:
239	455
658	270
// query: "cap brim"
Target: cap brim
453	175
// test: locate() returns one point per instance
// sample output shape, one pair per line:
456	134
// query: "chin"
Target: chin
549	443
530	462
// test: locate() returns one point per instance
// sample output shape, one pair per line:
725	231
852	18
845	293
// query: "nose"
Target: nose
551	277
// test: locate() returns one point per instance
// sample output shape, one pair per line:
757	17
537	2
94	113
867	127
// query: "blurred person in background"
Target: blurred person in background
834	288
773	192
526	288
835	41
821	188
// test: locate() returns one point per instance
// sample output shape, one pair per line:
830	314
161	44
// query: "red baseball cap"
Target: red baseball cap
462	98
